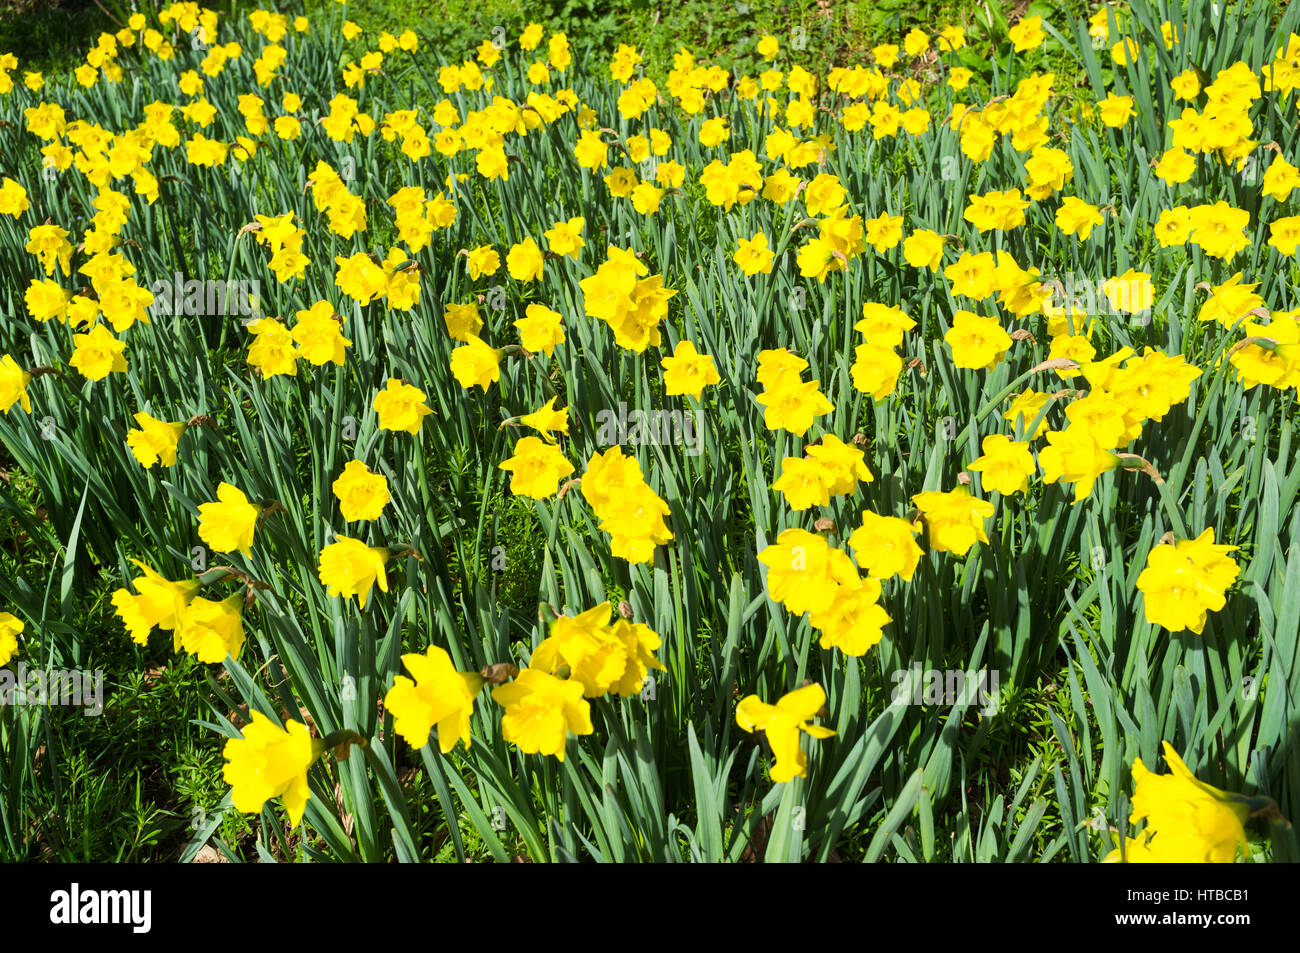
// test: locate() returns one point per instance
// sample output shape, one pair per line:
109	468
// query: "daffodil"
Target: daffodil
541	711
212	630
1184	581
688	371
155	441
401	407
269	761
13	385
1006	464
1187	820
348	567
362	493
783	724
228	524
954	520
10	628
439	695
98	354
537	468
476	364
156	602
885	546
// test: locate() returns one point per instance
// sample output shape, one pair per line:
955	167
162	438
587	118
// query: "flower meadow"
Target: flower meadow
564	457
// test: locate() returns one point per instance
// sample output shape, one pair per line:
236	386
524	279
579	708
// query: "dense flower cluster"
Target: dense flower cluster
901	390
